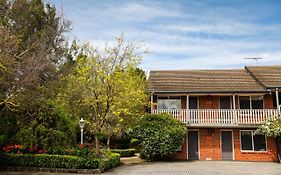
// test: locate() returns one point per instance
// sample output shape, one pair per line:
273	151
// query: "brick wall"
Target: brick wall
209	144
210	148
209	102
268	101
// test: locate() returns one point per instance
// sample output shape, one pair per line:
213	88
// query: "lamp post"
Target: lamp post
82	124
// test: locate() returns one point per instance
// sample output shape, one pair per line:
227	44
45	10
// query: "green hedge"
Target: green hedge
124	152
112	160
48	161
60	161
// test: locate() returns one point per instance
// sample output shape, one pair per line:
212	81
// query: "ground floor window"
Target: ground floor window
252	141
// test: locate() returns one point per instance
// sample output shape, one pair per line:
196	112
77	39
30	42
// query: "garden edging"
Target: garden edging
40	169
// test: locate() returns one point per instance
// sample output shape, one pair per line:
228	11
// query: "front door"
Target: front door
193	145
226	145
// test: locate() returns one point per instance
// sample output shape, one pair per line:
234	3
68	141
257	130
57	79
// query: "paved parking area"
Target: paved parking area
199	168
185	168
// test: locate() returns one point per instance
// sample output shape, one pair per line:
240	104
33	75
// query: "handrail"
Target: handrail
220	116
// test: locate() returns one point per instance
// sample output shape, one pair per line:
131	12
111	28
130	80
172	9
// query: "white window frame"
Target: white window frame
263	103
253	144
169	104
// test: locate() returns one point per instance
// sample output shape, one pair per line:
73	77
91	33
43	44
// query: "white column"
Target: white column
233	102
234	108
277	100
151	102
187	101
187	109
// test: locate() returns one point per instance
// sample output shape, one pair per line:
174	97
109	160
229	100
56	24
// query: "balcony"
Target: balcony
221	117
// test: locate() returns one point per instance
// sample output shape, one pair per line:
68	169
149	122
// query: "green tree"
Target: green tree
160	136
272	127
32	52
105	87
32	46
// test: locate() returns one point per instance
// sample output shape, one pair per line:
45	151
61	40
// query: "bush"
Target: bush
123	152
48	161
160	136
135	143
80	151
112	160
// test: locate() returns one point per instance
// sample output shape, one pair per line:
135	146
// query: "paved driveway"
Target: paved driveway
185	168
199	168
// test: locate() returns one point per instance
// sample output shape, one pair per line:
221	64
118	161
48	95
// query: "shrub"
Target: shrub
160	136
80	151
110	161
48	161
123	152
135	143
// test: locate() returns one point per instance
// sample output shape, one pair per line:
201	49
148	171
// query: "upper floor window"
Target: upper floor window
251	102
169	103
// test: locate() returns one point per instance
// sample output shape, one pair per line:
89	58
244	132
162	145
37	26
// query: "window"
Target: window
257	102
251	141
251	102
169	103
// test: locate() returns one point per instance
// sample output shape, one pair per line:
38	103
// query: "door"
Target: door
226	145
193	145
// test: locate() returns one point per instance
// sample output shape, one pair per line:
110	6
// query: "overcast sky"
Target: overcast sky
183	34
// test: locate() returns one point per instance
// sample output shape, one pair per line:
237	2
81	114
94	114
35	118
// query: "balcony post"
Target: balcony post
187	109
151	102
234	109
277	100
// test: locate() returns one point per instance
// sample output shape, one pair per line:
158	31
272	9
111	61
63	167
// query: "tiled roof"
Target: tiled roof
232	80
269	76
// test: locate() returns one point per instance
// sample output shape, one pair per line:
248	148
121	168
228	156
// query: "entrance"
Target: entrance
226	145
193	145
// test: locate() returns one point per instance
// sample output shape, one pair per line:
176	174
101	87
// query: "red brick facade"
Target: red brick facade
210	147
210	138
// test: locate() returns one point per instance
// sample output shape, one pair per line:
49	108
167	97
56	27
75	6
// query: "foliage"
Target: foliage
123	152
160	136
85	151
32	45
19	149
272	127
51	127
105	87
135	143
112	160
49	161
120	142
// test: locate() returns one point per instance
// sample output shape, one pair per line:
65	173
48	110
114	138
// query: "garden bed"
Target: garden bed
110	161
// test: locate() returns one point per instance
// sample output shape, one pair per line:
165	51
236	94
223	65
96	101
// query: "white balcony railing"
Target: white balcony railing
220	116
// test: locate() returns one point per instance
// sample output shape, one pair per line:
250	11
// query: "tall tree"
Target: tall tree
105	87
32	44
32	50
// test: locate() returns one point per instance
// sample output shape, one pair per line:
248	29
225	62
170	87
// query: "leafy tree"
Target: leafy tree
105	87
32	45
32	51
160	136
272	127
51	127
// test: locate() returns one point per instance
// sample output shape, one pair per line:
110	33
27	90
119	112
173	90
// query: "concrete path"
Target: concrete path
185	168
199	168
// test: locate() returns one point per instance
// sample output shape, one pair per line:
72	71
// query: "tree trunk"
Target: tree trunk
108	142
97	145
